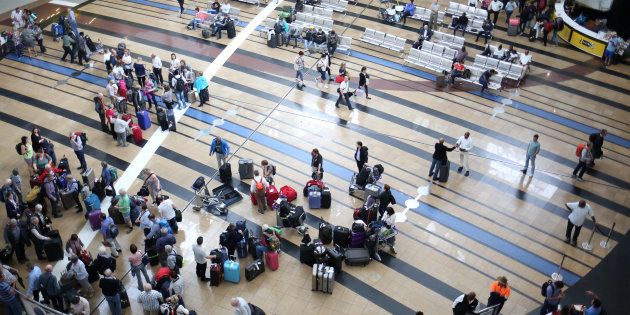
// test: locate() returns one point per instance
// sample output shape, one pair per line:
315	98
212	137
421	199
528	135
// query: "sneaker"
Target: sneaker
580	179
459	169
119	250
573	176
369	98
574	243
467	173
568	241
524	171
430	174
393	250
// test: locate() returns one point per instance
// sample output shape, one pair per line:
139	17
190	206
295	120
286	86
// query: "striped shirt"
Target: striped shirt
150	301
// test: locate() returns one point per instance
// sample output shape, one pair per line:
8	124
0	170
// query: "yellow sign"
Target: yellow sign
585	43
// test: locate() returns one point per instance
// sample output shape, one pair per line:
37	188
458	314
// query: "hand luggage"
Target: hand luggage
296	216
88	178
444	169
513	24
326	198
253	198
341	236
272	260
357	256
246	168
231	30
241	248
124	298
357	239
137	134
162	120
325	233
440	81
64	164
115	213
253	270
53	247
272	195
314	199
93	275
251	245
272	40
170	116
372	190
316	185
225	173
205	33
307	254
92	202
144	121
5	254
231	271
67	200
95	219
334	259
289	193
323	278
215	275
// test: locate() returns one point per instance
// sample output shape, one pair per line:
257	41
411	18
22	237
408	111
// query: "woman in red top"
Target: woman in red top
109	114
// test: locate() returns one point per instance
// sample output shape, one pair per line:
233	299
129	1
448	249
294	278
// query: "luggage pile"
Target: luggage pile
365	183
318	194
289	215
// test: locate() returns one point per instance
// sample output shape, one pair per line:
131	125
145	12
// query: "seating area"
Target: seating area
454	42
424	14
381	39
474	25
256	2
510	70
457	9
344	45
428	59
306	20
318	11
335	5
209	18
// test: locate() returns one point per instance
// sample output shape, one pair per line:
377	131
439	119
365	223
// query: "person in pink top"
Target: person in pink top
137	266
149	91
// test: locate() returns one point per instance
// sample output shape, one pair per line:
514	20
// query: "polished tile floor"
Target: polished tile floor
463	235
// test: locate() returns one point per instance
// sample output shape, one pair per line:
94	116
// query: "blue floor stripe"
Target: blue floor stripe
511	250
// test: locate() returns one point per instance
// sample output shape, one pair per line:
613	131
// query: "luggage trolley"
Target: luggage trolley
289	216
384	237
205	200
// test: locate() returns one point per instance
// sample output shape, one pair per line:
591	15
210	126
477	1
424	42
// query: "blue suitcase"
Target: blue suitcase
143	119
232	271
314	199
57	30
241	248
92	202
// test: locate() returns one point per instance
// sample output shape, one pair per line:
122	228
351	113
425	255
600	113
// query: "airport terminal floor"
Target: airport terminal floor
456	236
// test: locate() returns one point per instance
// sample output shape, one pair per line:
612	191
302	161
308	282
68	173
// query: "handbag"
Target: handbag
178	215
339	78
144	190
145	259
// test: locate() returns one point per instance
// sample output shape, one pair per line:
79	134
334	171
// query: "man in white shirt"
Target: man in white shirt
120	128
435	7
464	144
201	259
80	273
167	211
156	62
258	188
344	93
17	18
579	211
79	306
525	60
112	91
494	8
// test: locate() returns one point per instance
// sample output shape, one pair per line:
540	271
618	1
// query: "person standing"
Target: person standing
38	237
361	155
435	7
108	235
49	286
110	286
241	307
34	272
464	144
77	267
156	63
499	293
106	177
317	165
465	304
120	128
552	297
77	147
161	242
385	198
298	66
364	81
331	43
67	43
494	8
579	211
153	184
533	149
167	211
141	71
598	142
150	300
221	149
124	206
11	202
138	269
79	306
82	49
258	188
439	158
9	298
201	259
73	188
344	93
16	237
52	193
99	108
510	6
586	157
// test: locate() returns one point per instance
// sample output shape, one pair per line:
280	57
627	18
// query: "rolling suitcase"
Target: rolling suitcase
440	81
444	170
231	271
325	233
513	24
272	40
296	216
272	195
225	173
323	278
253	270
136	133
357	239
272	261
314	199
246	168
143	119
357	256
99	189
231	30
88	178
241	248
124	298
170	116
53	247
92	202
95	219
307	254
334	259
341	236
205	33
115	213
289	193
372	190
326	198
66	199
215	275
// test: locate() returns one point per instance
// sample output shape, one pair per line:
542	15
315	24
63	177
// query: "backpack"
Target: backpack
113	230
18	148
273	169
559	24
179	84
278	28
83	136
579	149
179	260
113	173
466	74
259	185
543	288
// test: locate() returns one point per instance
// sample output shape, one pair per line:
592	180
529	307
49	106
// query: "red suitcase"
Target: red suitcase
272	195
254	202
129	118
288	192
271	259
514	21
122	88
137	133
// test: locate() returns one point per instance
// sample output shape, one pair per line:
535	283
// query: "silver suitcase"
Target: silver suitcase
353	189
246	168
372	190
323	278
88	178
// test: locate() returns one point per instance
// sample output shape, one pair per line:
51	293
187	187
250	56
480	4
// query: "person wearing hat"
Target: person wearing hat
499	293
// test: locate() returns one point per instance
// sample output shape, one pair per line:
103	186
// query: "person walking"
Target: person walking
221	149
586	157
167	211
67	43
579	211
201	259
553	296
181	7
322	67
298	66
153	184
258	188
150	300
533	149
77	267
343	91
34	272
138	268
110	286
439	158
110	233
49	287
124	206
499	293
361	155
465	304
598	142
464	144
317	165
77	146
495	8
364	81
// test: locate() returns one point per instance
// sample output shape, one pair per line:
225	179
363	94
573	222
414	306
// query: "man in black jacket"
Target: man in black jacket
486	30
361	155
461	24
465	304
439	158
385	198
598	142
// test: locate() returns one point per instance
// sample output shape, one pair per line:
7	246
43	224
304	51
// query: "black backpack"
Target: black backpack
18	148
179	85
278	28
466	74
179	260
543	288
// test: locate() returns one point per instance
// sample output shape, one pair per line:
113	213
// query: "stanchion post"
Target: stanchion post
587	245
604	243
557	276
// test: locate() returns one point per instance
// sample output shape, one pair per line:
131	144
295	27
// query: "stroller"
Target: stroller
289	215
380	236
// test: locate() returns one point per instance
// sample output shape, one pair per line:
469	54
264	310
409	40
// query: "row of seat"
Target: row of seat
438	50
473	26
323	12
207	21
335	5
424	14
344	45
455	42
381	39
317	21
455	8
510	70
256	2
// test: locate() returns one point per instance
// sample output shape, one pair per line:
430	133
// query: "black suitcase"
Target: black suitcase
154	258
326	198
53	248
357	256
5	254
272	41
335	259
325	233
93	275
115	213
215	275
99	189
231	30
296	216
254	269
64	165
205	33
307	254
90	44
66	199
341	236
280	39
162	120
444	169
124	298
225	173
